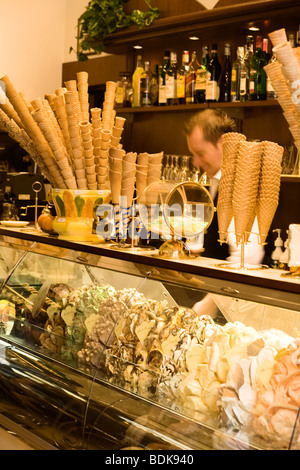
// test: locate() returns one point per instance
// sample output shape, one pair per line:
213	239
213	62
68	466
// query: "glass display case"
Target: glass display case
101	350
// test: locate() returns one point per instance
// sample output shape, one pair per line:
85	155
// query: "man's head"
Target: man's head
204	138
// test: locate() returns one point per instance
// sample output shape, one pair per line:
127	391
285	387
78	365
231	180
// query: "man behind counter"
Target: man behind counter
204	138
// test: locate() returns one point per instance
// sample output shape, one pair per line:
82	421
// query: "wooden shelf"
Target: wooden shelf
196	106
234	16
290	178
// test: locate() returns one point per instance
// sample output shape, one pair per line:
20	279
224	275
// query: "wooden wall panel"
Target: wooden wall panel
100	69
169	8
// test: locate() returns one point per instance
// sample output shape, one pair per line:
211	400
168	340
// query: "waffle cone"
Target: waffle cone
115	179
130	157
269	187
128	193
230	146
245	191
32	130
278	37
143	158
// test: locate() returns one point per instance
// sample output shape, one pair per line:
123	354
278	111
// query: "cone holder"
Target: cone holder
294	273
37	187
129	219
242	265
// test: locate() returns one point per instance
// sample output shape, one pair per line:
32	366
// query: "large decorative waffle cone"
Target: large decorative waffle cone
269	187
230	145
245	190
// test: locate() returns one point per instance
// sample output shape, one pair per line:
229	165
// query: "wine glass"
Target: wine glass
175	169
184	171
166	168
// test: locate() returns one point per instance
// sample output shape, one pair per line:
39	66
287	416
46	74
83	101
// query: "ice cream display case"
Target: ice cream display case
101	349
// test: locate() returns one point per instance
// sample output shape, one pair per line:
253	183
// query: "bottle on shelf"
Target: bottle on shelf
153	87
171	81
201	77
124	91
298	38
128	91
120	91
240	77
190	87
181	77
145	79
258	77
214	69
271	94
162	70
266	49
292	40
225	77
249	49
139	70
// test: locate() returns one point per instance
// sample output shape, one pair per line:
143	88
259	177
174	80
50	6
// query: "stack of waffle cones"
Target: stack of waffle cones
70	149
245	189
115	173
249	186
141	173
230	144
284	74
269	187
122	177
128	178
148	170
87	145
154	167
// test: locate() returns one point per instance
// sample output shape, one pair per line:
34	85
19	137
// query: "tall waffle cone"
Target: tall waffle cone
245	192
278	37
269	187
230	146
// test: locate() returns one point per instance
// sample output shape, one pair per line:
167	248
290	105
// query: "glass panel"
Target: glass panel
210	370
8	259
120	347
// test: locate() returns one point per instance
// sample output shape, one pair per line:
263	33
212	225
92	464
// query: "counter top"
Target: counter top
200	266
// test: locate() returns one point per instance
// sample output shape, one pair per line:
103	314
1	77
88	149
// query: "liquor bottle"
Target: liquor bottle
181	77
136	101
145	79
214	69
225	78
128	90
153	87
258	77
171	81
271	93
120	90
240	77
298	38
162	70
190	87
201	76
292	40
249	49
266	49
124	90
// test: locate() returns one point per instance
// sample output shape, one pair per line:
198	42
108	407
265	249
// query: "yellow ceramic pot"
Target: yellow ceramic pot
75	211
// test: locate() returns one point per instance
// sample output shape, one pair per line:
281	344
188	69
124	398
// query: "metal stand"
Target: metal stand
36	186
242	264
